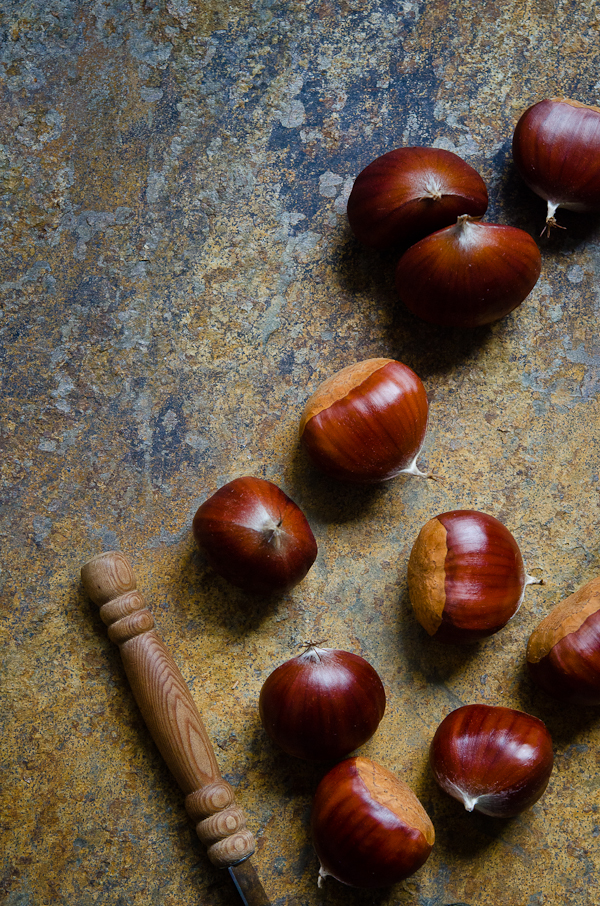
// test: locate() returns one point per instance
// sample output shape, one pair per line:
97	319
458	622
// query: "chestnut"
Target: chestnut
563	653
493	759
367	422
466	577
556	150
255	536
322	704
468	274
368	827
408	193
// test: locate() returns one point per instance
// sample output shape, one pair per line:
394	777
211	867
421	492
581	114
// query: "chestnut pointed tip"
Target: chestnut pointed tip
321	878
551	221
533	580
413	469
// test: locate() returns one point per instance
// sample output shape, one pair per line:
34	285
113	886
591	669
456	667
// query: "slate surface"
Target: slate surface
177	277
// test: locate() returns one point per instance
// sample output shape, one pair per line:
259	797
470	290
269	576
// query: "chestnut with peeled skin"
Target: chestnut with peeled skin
367	422
563	653
368	827
408	193
493	759
322	704
556	149
468	274
255	536
466	577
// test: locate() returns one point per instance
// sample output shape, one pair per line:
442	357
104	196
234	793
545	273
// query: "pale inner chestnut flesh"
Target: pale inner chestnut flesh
391	792
338	386
427	576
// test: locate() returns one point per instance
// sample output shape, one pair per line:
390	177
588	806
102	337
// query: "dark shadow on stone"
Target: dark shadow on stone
225	605
436	661
328	499
426	348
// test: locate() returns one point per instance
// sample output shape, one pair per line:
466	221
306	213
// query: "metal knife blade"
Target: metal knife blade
247	884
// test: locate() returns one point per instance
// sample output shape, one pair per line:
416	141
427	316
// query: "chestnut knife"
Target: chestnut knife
174	722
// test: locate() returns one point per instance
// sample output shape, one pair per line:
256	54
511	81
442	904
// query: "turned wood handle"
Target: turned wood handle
168	709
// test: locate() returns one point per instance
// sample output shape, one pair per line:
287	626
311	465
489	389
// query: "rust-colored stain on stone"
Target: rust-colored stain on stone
178	277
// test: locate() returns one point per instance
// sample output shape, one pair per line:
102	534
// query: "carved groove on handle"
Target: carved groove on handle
168	709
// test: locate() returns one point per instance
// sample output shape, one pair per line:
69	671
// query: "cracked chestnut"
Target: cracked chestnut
466	576
255	536
367	422
563	653
493	759
368	827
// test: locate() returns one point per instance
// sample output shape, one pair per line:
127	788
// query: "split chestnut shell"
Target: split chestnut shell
368	827
411	192
367	422
466	576
563	653
495	760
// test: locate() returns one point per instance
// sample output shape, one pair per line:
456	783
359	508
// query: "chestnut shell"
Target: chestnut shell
368	827
493	759
466	576
469	274
408	193
322	704
367	422
255	536
563	652
556	150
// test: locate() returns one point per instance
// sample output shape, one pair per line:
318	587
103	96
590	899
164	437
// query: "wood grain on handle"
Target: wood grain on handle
168	709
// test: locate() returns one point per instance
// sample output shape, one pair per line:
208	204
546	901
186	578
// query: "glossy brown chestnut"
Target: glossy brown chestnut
411	192
563	653
369	829
468	274
556	149
366	423
466	576
254	536
495	760
322	704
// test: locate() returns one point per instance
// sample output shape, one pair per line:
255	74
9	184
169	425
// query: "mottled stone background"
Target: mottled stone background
177	276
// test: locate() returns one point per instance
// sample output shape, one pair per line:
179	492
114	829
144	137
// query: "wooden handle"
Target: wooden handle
168	709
